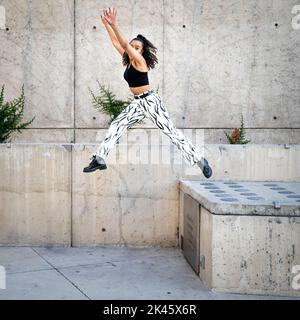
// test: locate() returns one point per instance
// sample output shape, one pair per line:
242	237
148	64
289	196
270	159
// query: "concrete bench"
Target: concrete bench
242	236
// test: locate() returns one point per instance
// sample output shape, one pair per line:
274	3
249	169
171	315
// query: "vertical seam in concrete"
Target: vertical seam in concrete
72	146
178	216
74	65
163	51
71	196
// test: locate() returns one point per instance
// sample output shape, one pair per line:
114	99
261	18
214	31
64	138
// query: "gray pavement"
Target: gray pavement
105	272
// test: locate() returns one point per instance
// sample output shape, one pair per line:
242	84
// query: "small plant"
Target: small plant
11	114
238	135
107	103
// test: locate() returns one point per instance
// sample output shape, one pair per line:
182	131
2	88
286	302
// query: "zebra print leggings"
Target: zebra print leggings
152	107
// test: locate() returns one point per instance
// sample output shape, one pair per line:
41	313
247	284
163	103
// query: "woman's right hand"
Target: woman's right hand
110	15
104	21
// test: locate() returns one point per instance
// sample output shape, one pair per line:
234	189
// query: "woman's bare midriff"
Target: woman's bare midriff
139	90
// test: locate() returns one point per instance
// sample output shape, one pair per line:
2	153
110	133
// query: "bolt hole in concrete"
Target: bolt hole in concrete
285	192
248	194
229	199
255	198
211	187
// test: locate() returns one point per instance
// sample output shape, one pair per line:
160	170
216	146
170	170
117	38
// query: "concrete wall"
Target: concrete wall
217	60
35	195
250	254
46	199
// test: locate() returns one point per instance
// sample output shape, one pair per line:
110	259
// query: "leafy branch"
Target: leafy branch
238	135
11	114
107	103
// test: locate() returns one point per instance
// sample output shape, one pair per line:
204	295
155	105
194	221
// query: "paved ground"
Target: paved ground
107	272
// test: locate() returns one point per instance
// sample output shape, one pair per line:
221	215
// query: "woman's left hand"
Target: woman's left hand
110	15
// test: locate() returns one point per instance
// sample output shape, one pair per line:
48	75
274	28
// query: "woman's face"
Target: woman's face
137	45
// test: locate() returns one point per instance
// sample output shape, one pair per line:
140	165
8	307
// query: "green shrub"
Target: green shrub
107	103
238	135
11	114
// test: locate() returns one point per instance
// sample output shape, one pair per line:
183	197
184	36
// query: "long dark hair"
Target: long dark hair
149	52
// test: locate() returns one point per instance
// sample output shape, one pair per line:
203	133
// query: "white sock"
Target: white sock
201	163
100	160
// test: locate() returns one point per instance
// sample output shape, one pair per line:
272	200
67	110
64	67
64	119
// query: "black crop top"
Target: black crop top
135	78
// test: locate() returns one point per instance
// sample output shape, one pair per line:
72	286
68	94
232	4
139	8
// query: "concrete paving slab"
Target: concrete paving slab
76	256
21	259
157	277
106	273
39	285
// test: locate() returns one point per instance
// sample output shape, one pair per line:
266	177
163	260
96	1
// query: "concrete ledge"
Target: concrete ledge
244	247
245	197
46	199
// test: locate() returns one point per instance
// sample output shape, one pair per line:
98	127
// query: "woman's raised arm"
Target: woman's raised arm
112	35
110	16
110	31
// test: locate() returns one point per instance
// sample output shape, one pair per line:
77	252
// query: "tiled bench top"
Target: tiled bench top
246	197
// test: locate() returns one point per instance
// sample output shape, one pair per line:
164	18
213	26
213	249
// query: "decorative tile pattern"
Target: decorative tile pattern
249	192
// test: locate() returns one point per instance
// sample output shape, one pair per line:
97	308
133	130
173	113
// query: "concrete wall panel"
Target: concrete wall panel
43	189
35	195
216	61
125	204
37	51
269	243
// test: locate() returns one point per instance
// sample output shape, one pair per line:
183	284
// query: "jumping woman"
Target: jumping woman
139	56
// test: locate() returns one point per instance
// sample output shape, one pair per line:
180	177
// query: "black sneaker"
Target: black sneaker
94	165
204	166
